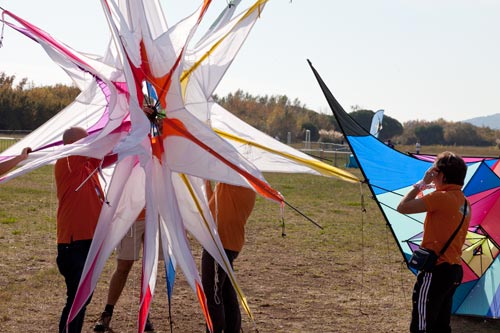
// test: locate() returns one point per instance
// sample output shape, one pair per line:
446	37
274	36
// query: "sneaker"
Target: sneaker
149	326
102	325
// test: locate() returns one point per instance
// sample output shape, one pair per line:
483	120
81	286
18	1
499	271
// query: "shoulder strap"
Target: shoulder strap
445	247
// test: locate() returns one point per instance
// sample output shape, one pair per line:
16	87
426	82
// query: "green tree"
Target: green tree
430	134
280	122
26	107
363	118
390	127
463	134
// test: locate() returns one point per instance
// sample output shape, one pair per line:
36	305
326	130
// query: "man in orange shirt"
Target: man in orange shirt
446	208
231	207
80	202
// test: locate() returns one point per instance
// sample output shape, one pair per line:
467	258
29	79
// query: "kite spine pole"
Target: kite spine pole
170	316
304	215
3	26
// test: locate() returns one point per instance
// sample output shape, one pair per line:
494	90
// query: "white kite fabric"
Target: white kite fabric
376	125
163	172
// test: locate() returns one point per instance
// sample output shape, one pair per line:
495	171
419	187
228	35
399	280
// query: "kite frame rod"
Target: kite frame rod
304	215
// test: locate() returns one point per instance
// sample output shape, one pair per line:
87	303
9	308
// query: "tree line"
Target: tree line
278	115
24	106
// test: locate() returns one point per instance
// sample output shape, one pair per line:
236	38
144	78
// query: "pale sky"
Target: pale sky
416	59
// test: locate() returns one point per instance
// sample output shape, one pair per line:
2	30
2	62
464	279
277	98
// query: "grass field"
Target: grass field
347	277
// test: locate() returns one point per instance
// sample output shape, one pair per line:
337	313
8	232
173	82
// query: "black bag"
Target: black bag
423	259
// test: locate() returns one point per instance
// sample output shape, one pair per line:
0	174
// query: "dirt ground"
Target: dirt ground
346	277
289	289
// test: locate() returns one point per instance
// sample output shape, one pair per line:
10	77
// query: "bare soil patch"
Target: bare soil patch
347	277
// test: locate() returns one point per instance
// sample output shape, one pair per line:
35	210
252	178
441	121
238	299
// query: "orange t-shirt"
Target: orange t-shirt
444	213
231	207
142	215
78	211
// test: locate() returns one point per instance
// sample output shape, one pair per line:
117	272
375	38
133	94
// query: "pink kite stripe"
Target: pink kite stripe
45	36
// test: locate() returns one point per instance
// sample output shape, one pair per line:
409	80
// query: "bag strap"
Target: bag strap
445	247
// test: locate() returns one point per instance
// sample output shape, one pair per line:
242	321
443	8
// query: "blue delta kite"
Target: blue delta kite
390	174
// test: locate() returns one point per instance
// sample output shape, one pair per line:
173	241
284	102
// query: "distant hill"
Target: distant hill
491	121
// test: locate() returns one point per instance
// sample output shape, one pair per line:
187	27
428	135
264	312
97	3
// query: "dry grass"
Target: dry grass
346	277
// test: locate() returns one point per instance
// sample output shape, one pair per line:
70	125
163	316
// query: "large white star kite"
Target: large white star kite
149	62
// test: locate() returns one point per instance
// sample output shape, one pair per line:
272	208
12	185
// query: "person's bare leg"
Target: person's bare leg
118	280
116	285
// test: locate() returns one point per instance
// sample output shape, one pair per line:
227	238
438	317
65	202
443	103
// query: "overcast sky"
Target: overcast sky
416	59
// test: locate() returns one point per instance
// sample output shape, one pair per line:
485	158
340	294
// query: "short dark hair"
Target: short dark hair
452	166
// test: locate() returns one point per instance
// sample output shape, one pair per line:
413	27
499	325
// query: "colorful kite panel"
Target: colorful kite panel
390	174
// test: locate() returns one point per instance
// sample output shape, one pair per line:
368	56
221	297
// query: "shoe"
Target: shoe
102	325
149	326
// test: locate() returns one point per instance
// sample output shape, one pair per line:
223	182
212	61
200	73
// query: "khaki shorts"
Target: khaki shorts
130	246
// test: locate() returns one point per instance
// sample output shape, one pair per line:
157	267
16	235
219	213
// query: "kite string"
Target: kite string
363	212
402	268
403	263
390	282
52	226
388	254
